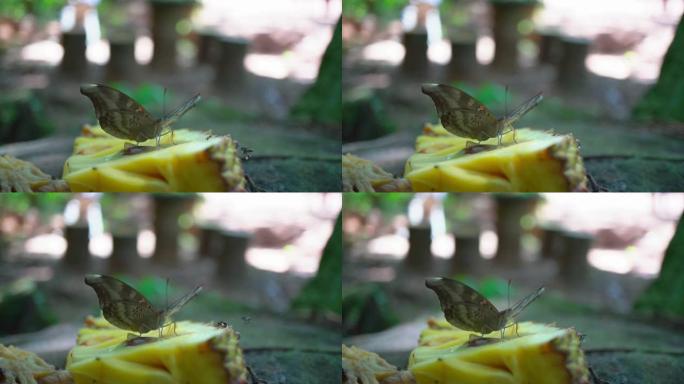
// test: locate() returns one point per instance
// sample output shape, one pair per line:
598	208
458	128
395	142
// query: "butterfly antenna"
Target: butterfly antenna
509	294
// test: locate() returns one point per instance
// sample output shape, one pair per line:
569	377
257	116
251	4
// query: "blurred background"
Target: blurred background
258	66
601	67
611	265
270	267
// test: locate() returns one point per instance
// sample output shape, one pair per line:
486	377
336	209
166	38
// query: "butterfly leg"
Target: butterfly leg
516	329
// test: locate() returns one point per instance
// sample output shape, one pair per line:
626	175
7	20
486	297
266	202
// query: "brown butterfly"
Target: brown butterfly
123	117
464	116
467	309
128	309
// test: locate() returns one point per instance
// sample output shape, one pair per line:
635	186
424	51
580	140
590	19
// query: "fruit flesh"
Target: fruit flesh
540	354
528	161
188	352
187	161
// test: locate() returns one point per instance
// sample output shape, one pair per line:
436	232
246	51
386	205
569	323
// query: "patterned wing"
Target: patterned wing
522	109
119	115
460	113
463	306
518	307
175	307
122	305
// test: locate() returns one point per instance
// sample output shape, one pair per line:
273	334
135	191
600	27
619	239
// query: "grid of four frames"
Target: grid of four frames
341	191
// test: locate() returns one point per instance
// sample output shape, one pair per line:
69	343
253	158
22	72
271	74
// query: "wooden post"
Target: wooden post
572	72
77	255
124	256
122	64
573	263
231	262
165	15
466	256
507	15
416	63
74	62
463	59
419	256
167	209
509	210
209	242
207	47
549	47
230	66
551	246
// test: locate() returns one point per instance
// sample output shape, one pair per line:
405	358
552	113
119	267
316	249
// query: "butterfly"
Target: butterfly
124	118
467	309
128	309
464	116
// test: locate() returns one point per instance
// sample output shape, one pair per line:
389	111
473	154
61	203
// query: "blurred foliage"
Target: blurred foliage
489	287
324	291
364	116
322	102
151	96
22	117
665	296
366	308
389	204
383	9
43	10
47	204
24	308
664	101
492	95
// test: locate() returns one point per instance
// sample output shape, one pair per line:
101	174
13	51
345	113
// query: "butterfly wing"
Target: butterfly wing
172	117
522	109
119	115
180	303
460	113
122	305
463	306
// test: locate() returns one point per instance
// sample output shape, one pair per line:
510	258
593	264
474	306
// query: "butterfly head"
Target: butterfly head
88	89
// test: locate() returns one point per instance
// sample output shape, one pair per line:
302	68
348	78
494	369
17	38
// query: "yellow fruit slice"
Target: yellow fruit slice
190	353
17	175
188	161
537	354
527	161
361	175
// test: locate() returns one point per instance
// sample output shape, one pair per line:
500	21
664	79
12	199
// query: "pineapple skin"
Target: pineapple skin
189	161
196	353
539	162
542	354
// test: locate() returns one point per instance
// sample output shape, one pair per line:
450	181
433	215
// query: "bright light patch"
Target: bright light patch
488	243
51	244
394	246
101	246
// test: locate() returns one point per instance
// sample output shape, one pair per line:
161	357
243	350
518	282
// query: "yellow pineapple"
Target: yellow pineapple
188	352
187	161
528	353
527	161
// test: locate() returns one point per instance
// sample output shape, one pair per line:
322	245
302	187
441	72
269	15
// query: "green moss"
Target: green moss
665	296
664	101
322	102
324	291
